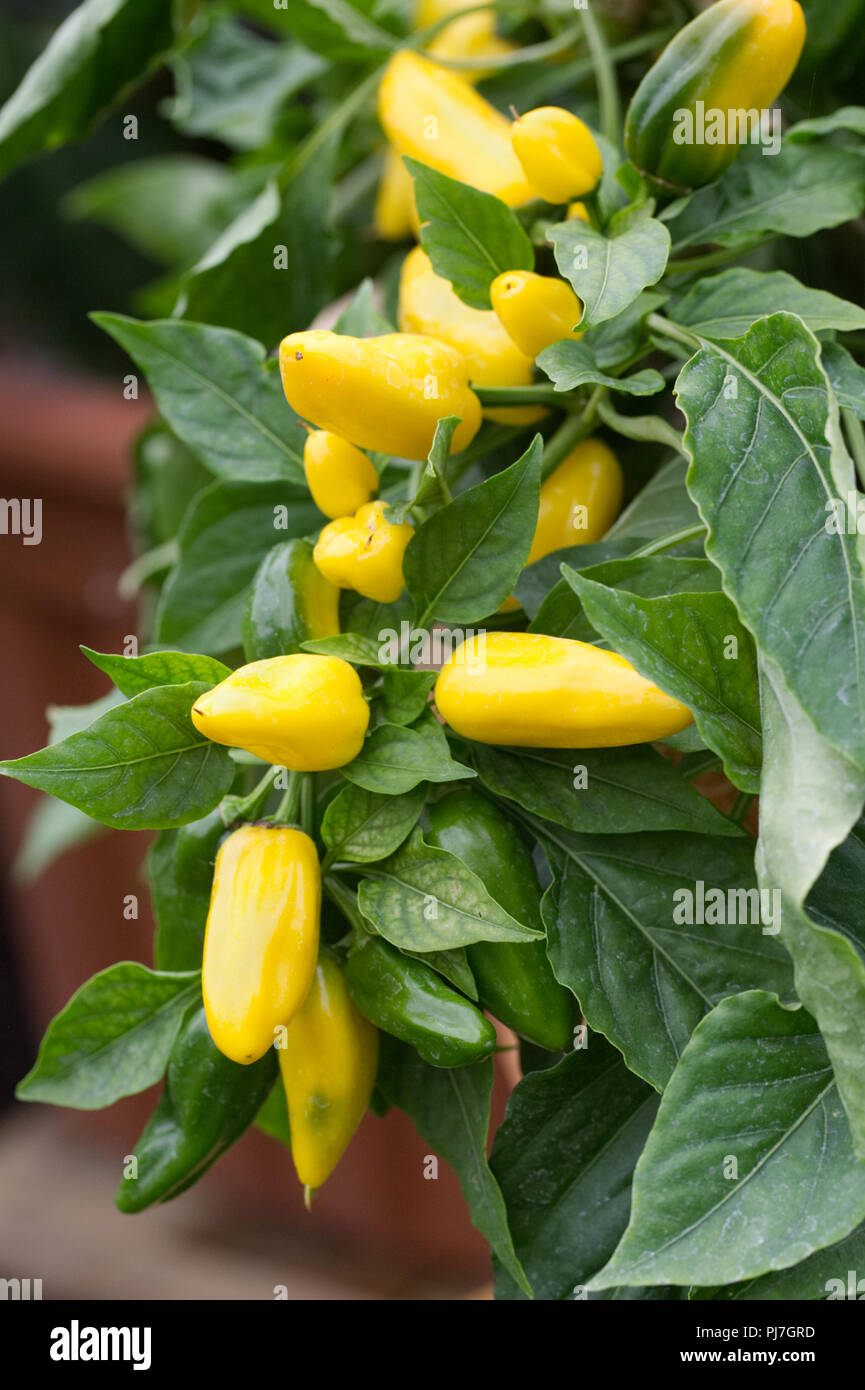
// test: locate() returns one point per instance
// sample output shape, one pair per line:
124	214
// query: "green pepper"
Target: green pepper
515	982
180	866
685	123
207	1104
291	602
403	996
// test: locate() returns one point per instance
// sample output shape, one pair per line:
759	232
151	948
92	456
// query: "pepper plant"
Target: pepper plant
476	617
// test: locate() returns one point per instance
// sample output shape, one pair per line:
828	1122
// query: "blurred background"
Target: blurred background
379	1229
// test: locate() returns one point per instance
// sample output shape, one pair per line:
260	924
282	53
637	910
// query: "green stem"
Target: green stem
286	811
535	52
669	542
343	898
666	329
698	764
605	75
691	265
570	433
524	395
856	439
235	808
642	427
307	804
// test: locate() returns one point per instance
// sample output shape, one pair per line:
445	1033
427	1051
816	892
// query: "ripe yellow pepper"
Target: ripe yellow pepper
557	152
579	501
428	304
536	310
394	216
439	119
469	36
261	939
578	212
386	393
364	552
524	689
340	477
328	1067
303	712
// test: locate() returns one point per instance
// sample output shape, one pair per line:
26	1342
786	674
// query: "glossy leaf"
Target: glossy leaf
395	759
132	674
363	826
609	273
572	363
727	305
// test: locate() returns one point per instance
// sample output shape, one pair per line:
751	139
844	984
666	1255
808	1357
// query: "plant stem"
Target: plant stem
605	75
669	542
698	764
675	331
570	433
535	52
856	439
343	898
690	265
307	803
642	427
286	811
523	395
234	808
740	808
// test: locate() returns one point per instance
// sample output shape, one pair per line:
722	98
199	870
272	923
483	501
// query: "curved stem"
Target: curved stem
667	329
695	263
234	808
286	811
642	427
605	75
524	395
669	542
534	52
856	439
343	898
571	432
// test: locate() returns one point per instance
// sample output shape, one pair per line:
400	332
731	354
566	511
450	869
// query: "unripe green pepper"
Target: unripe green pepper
404	997
261	942
328	1067
303	711
207	1103
735	57
515	982
290	602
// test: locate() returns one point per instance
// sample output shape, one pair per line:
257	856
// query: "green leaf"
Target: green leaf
395	759
214	390
132	674
470	236
727	305
616	341
564	1156
537	580
450	1108
140	766
602	791
767	464
360	318
824	1275
464	561
231	85
570	364
562	614
660	509
112	1039
363	826
425	899
180	868
846	118
405	694
798	192
693	646
755	1086
810	797
207	1104
98	53
65	720
638	928
225	536
169	207
258	277
338	29
350	646
609	273
847	378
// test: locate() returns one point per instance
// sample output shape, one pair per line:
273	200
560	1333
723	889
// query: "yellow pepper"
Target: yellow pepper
524	689
261	939
557	152
536	310
577	212
579	501
340	477
469	36
364	552
428	304
385	393
328	1067
394	216
440	120
303	712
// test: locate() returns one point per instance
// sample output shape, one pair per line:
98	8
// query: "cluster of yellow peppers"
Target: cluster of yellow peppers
263	977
